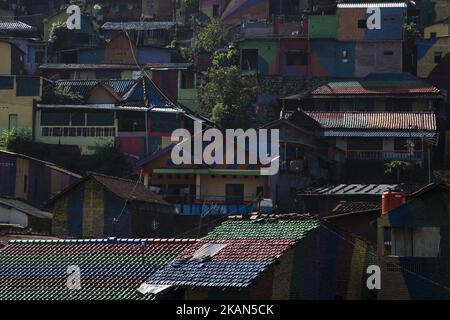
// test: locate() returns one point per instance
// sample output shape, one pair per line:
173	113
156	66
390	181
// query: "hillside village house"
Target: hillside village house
413	247
177	80
135	114
100	206
286	257
18	96
30	179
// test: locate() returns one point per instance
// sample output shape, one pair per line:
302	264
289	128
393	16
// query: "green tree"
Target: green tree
14	139
210	37
61	96
225	95
397	168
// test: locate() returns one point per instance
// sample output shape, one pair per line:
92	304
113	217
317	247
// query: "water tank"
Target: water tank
391	200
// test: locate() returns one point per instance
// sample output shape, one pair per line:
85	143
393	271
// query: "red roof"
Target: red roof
376	120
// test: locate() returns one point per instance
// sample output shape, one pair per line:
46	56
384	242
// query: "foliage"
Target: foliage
110	161
57	31
61	96
397	167
210	37
226	58
13	139
225	95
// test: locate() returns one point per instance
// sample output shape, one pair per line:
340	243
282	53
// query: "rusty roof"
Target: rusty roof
375	120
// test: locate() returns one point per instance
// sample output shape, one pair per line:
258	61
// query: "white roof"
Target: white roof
372	5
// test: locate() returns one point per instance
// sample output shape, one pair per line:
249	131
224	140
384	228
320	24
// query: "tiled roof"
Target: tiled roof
356	206
111	269
24	207
138	25
377	84
375	120
251	246
15	26
84	87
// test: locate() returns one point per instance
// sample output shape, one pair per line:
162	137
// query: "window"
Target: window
131	121
388	53
12	124
249	59
100	118
215	10
437	57
187	80
415	242
164	122
362	24
234	193
28	87
78	119
368	144
25	184
296	58
260	191
405	144
432	34
55	118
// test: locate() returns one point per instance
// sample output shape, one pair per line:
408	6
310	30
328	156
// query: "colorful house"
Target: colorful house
433	54
18	95
33	180
12	59
375	92
412	247
26	38
304	159
116	267
295	257
134	114
287	257
217	190
100	206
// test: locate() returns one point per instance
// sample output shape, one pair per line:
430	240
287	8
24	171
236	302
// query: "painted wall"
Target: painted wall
5	58
292	45
431	209
235	10
426	50
31	180
153	55
267	55
392	20
323	27
440	30
16	98
326	58
120	50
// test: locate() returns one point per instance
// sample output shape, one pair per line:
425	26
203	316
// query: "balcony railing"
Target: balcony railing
78	131
211	205
384	155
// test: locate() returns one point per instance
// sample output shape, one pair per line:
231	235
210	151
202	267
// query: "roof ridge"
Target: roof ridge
110	240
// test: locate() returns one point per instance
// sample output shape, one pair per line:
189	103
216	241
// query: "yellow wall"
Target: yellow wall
426	64
5	58
211	187
22	106
441	30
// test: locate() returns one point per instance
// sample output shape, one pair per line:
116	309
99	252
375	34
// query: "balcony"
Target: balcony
78	131
189	206
381	155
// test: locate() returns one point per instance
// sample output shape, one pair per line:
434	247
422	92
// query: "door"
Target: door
12	124
235	193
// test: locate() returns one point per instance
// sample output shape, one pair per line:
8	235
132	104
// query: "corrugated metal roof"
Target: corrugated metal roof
411	121
358	189
377	133
372	5
15	26
24	207
138	25
356	206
